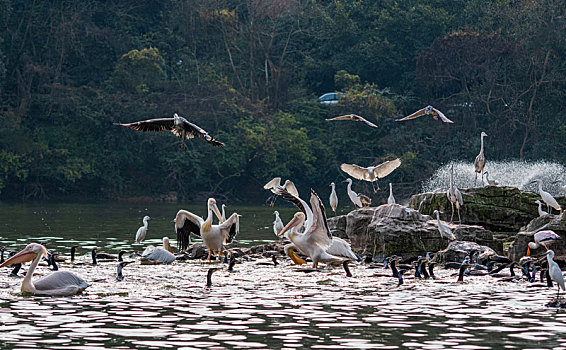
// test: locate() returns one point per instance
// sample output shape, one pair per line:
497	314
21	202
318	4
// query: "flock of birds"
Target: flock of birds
308	231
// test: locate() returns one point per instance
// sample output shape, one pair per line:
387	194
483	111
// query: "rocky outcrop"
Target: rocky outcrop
458	250
394	229
556	223
501	209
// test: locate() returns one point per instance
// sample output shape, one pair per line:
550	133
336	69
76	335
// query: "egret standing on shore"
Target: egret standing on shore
555	272
142	231
540	211
353	195
333	198
277	224
547	198
390	199
490	182
479	162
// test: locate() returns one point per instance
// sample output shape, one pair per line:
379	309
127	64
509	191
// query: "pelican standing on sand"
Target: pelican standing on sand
479	162
454	196
371	173
554	272
443	229
333	198
390	199
353	195
428	110
214	236
142	231
547	198
277	224
60	283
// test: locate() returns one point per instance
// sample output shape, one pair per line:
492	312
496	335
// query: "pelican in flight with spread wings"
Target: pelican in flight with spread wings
178	125
371	173
214	236
428	110
316	239
353	117
60	283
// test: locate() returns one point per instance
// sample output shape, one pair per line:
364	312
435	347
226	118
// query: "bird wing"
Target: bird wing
342	117
275	182
290	187
230	228
441	115
353	117
356	171
459	196
341	248
185	224
319	233
546	236
299	203
158	255
417	114
159	124
58	280
386	168
192	130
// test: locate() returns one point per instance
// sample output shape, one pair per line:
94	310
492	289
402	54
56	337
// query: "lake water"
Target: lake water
258	305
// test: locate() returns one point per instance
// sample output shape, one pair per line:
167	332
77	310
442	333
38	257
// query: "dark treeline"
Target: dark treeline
250	72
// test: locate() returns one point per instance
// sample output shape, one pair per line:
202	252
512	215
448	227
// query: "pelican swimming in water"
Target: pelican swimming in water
142	231
214	236
371	173
428	110
178	125
390	199
555	272
443	229
547	197
544	239
277	224
479	162
353	117
333	198
60	283
541	212
157	255
454	196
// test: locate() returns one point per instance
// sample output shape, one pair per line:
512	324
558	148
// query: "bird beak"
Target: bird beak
296	259
291	224
217	212
23	256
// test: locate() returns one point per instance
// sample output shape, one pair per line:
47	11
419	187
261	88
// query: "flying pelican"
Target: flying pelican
60	283
428	110
547	197
157	255
353	195
333	198
317	237
390	199
543	238
443	229
178	125
214	236
142	231
490	182
353	117
454	196
540	211
277	224
479	162
372	173
555	272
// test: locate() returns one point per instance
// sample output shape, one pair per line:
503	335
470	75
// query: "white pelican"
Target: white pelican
333	198
275	185
390	199
178	125
317	237
60	283
540	211
353	195
547	198
277	224
157	255
543	238
479	162
554	272
372	173
214	236
490	182
142	231
353	117
443	229
454	196
428	110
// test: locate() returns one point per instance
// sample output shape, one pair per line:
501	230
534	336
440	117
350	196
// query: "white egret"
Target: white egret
543	238
60	283
554	272
353	195
443	229
178	125
223	216
428	110
353	117
540	211
454	196
390	199
490	182
547	198
157	255
333	198
142	231
277	224
479	162
371	173
275	184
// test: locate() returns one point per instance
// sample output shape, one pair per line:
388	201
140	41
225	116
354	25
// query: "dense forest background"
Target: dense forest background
250	72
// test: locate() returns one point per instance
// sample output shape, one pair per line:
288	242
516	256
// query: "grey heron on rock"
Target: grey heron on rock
371	173
479	162
428	110
353	117
454	196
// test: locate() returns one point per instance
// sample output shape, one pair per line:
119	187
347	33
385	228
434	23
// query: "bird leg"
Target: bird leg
452	216
459	218
209	255
475	179
374	188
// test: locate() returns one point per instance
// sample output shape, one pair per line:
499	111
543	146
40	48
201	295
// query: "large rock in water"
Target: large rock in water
501	209
394	229
556	223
